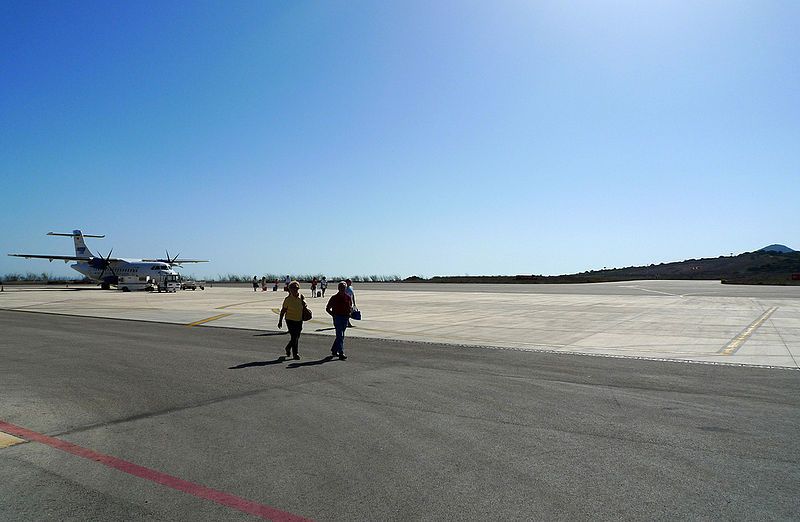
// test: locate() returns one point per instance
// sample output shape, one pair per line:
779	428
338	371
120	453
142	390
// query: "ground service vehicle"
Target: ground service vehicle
192	285
135	283
168	283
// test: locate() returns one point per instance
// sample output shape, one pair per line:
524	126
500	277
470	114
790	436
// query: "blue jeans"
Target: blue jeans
340	323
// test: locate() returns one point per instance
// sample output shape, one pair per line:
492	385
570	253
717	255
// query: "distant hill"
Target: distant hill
783	249
759	267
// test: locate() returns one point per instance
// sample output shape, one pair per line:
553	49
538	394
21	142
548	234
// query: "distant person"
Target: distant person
264	284
275	288
314	287
323	285
286	281
255	284
339	306
293	311
352	295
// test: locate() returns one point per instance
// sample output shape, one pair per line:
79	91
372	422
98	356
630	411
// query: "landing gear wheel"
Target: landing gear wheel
105	286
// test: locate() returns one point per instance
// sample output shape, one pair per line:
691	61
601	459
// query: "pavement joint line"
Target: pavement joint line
208	319
789	350
197	490
733	346
652	291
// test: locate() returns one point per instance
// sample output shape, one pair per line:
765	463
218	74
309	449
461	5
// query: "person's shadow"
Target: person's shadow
266	334
311	363
279	360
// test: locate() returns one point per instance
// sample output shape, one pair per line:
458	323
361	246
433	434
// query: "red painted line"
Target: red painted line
220	497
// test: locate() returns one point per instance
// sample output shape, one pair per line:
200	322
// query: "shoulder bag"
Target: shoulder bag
306	311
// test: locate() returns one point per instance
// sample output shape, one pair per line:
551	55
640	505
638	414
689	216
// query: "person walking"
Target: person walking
293	311
286	282
323	285
314	287
352	295
339	306
255	284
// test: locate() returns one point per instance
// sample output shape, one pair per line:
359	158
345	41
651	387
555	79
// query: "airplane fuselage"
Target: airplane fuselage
124	267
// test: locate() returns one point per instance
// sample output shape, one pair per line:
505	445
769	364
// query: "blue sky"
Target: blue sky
402	138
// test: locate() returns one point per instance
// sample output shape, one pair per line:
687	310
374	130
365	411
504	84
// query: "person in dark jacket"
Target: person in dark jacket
339	306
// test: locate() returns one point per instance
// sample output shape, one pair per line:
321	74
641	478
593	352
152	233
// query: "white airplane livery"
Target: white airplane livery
108	270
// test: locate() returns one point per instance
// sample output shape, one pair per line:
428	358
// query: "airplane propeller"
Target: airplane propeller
105	263
171	260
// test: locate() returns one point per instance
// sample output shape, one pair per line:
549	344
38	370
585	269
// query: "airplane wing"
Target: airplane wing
175	261
65	258
60	258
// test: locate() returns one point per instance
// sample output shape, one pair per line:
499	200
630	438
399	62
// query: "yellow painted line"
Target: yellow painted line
7	440
208	319
739	340
237	304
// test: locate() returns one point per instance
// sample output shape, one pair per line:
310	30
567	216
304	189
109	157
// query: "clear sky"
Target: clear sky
408	137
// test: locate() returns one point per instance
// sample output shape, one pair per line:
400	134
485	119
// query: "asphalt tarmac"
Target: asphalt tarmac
167	422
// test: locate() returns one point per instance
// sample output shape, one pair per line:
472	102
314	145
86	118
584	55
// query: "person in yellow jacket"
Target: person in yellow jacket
293	311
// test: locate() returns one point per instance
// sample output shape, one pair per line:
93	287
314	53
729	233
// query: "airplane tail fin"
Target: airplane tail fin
81	250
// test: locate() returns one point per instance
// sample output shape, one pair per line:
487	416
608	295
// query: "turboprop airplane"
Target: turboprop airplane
106	269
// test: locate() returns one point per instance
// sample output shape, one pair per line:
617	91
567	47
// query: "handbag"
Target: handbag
355	314
306	312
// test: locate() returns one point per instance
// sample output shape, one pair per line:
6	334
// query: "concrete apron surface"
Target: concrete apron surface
636	319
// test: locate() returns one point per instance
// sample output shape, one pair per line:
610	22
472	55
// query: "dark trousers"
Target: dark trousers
294	327
340	324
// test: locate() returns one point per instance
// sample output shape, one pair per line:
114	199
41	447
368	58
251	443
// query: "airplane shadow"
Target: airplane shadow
266	334
312	363
279	360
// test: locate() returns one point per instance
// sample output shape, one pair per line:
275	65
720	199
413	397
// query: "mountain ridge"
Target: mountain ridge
783	249
757	267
